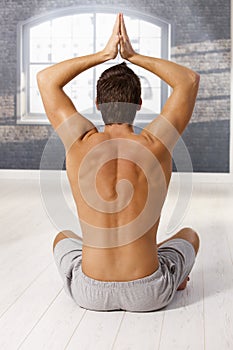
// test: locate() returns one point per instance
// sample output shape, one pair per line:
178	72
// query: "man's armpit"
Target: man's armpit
74	129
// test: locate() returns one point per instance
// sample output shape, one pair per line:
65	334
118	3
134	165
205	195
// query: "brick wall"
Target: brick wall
201	40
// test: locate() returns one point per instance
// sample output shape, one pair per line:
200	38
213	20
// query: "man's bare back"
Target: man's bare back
138	258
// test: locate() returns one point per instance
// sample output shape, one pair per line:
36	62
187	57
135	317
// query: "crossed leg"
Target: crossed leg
65	234
186	233
191	236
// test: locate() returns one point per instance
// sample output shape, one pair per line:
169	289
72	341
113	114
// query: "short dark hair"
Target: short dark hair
118	94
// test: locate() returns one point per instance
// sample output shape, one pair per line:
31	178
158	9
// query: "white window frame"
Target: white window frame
23	117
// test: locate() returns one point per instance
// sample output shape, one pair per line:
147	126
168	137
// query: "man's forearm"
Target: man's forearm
173	74
62	73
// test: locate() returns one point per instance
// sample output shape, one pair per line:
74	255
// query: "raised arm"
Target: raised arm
59	108
184	82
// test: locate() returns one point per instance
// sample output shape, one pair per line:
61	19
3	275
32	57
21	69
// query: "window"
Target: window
75	32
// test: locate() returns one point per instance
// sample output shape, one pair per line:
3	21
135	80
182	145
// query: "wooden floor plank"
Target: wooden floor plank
214	203
55	328
140	331
96	331
218	289
21	276
19	320
183	326
21	260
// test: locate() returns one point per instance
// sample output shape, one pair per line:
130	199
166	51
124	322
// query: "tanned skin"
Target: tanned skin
139	258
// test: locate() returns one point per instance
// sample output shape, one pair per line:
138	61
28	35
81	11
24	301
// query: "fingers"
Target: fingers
122	26
116	28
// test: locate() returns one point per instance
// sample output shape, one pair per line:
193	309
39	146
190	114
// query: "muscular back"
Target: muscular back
119	183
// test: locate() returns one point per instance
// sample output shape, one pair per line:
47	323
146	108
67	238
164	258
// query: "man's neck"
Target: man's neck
118	129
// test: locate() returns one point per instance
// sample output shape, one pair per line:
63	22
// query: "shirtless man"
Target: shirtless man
119	264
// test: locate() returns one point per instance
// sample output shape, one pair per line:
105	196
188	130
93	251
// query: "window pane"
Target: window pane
149	30
83	99
150	46
84	33
151	78
80	91
82	46
133	27
40	43
83	25
62	27
40	50
40	31
104	26
61	49
36	105
151	105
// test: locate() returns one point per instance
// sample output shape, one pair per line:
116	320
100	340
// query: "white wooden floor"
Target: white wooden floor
36	313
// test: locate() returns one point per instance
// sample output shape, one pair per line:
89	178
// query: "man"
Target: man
119	181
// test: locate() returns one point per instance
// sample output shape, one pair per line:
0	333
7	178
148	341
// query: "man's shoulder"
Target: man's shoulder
94	138
144	138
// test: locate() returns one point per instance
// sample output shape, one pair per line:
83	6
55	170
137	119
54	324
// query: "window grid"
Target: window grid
29	92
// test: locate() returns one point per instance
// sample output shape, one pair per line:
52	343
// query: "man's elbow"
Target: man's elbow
46	80
40	77
194	79
191	83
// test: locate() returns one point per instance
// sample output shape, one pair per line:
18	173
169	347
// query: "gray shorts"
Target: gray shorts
153	292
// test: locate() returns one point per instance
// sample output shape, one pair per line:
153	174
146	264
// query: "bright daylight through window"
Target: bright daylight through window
46	42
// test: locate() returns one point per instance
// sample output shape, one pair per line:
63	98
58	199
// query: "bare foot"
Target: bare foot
183	284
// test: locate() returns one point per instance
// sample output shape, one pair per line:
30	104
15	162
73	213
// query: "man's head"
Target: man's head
118	94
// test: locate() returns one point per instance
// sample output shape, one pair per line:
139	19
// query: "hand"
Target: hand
111	49
126	49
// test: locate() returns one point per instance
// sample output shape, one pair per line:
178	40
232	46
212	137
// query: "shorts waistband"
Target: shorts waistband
93	282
